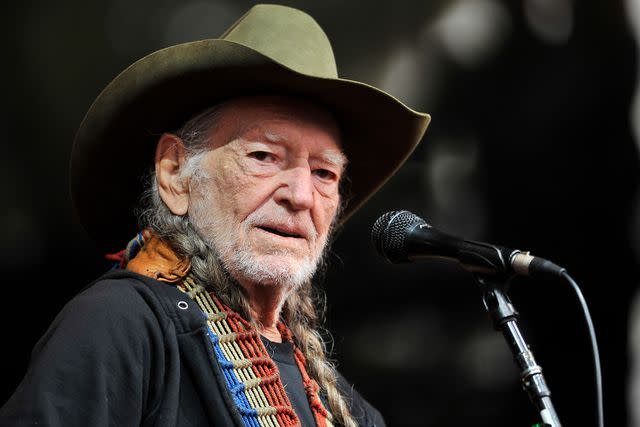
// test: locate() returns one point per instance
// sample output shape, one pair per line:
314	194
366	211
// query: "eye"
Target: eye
263	156
325	174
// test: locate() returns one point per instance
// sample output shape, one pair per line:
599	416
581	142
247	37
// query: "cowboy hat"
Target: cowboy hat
271	49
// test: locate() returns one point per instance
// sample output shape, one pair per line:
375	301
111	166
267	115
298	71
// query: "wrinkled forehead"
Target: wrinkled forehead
252	114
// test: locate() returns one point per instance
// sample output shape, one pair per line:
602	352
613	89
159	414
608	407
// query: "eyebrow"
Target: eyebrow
335	158
274	137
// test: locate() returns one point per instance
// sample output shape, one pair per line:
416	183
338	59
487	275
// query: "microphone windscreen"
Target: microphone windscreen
389	232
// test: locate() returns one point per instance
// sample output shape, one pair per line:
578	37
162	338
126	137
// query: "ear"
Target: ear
173	189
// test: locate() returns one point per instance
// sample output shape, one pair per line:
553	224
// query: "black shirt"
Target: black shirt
282	354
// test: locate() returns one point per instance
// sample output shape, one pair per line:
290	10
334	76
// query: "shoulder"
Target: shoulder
122	292
111	297
117	308
96	361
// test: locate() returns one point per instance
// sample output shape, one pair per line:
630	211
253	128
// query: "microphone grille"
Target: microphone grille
389	232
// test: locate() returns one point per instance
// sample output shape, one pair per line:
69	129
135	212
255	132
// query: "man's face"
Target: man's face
270	193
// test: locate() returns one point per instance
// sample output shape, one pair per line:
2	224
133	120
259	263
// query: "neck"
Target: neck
266	302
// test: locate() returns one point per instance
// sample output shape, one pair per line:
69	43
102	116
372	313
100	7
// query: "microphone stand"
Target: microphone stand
505	319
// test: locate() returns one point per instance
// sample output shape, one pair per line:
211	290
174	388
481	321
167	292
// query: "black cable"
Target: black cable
594	348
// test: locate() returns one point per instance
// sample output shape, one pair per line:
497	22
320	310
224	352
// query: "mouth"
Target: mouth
282	233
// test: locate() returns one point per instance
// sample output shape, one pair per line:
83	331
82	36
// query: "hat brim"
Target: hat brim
115	143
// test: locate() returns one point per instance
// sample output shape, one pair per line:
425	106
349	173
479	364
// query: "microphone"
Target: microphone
401	236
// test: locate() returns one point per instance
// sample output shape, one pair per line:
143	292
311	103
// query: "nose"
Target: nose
296	189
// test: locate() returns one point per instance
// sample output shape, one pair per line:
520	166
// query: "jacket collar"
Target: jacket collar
156	259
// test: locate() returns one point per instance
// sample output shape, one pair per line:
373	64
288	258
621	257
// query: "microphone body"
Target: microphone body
401	236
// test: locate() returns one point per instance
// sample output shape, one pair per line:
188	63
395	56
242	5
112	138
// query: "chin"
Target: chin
273	270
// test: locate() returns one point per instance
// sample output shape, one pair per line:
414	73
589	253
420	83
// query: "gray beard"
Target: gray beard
277	268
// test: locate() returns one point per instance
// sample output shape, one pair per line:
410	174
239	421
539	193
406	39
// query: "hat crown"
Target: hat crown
287	36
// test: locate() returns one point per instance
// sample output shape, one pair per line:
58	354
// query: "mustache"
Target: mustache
301	223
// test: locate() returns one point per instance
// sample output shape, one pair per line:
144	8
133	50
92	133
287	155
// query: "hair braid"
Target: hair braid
301	315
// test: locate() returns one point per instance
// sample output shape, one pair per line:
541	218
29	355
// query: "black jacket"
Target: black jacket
123	352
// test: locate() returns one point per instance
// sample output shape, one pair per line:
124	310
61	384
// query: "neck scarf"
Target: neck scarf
251	376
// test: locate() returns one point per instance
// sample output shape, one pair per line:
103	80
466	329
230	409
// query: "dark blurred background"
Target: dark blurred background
532	146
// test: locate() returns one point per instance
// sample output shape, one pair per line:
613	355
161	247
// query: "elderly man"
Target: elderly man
210	317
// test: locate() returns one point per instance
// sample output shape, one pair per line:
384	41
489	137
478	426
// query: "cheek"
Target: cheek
326	213
244	194
238	192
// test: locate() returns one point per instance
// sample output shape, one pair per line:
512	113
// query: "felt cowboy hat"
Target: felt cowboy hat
271	49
